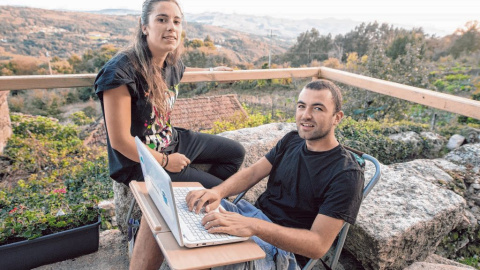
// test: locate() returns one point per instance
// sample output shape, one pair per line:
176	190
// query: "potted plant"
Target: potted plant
47	231
49	194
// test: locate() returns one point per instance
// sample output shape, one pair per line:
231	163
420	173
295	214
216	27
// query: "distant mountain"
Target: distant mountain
33	32
244	38
286	29
289	29
117	12
281	29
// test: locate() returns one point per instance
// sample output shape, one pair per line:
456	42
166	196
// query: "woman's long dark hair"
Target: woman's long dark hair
142	60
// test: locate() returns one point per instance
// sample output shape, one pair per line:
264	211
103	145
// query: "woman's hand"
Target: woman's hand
177	162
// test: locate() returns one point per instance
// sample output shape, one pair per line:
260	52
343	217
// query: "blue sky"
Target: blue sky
443	15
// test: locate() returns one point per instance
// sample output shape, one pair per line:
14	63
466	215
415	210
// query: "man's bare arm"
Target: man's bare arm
241	181
313	243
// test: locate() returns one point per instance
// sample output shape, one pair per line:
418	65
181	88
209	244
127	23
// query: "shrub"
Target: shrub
239	121
16	103
80	118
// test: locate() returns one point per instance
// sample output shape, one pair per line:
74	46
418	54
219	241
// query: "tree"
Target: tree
101	57
208	39
92	61
409	68
469	40
75	61
196	43
310	46
360	39
398	47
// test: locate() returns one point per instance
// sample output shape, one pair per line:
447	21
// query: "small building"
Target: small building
199	113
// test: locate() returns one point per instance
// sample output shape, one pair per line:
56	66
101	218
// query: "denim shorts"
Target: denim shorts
275	258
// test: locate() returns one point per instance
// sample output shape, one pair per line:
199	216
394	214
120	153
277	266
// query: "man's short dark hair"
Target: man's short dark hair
334	89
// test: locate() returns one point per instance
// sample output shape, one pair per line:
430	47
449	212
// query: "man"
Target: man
314	186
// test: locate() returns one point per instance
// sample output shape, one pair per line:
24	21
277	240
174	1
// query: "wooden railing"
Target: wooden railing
450	103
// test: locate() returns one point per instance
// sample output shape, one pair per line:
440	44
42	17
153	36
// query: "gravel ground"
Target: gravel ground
112	254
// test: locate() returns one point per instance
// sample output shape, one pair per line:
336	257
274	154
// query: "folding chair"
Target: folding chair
361	158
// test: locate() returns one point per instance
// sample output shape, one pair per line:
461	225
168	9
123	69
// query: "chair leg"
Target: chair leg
339	246
311	263
132	229
130	210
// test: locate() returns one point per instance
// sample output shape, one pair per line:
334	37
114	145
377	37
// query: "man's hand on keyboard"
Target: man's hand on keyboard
208	198
227	222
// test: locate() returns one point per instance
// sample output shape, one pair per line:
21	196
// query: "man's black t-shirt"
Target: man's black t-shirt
154	131
304	183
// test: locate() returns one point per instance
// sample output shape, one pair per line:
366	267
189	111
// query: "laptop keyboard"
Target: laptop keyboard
192	220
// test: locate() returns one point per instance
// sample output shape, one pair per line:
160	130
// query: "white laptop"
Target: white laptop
170	201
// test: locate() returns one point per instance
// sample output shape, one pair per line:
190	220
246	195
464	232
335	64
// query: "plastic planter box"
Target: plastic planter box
50	248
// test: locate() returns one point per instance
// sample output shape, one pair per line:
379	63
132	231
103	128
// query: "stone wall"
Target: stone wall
5	125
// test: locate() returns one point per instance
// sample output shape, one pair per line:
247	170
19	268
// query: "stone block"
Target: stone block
411	138
403	219
432	144
466	155
455	141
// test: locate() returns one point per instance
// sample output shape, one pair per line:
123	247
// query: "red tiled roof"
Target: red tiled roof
201	112
97	134
191	113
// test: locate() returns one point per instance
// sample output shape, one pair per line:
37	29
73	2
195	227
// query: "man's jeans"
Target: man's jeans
275	258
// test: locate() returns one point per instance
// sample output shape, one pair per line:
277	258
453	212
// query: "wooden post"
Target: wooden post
5	123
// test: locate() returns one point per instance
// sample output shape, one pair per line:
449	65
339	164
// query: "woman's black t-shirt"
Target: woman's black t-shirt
154	131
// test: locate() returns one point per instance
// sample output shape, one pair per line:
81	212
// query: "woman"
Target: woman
137	89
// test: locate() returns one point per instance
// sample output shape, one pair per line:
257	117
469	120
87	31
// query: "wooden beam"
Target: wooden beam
257	74
86	80
46	81
450	103
430	98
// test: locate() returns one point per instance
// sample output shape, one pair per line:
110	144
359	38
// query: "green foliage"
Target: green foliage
196	43
368	136
398	47
80	118
41	213
65	180
205	57
405	65
238	121
467	255
453	83
363	37
473	261
469	120
457	77
93	60
372	137
440	84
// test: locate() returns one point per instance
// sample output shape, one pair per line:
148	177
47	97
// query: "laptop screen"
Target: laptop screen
159	186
